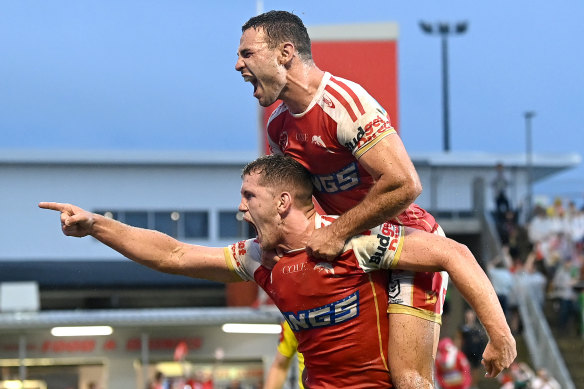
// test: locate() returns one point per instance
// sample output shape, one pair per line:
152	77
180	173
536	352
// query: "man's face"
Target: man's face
259	207
261	66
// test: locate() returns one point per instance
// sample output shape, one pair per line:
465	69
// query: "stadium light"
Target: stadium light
82	331
444	30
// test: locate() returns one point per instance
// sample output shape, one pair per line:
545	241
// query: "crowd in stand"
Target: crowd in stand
548	252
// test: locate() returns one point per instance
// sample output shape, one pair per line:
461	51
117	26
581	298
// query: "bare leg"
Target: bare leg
413	342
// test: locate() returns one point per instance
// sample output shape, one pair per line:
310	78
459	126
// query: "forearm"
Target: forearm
147	247
476	288
378	206
162	252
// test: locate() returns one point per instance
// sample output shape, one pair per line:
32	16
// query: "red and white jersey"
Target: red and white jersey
337	309
340	124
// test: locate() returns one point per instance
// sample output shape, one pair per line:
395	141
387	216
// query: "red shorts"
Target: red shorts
418	294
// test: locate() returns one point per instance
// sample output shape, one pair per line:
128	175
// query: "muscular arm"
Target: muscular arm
429	252
146	247
396	186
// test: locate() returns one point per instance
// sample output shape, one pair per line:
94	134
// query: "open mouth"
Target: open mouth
252	225
253	81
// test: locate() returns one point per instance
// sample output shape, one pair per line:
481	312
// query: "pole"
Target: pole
145	356
21	358
445	95
529	159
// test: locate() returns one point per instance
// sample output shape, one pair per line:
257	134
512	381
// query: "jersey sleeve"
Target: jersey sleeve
274	144
378	248
243	258
364	121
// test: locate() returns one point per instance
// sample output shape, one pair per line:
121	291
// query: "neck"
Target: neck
296	229
301	86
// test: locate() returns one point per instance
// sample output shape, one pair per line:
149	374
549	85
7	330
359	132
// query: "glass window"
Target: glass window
228	225
196	224
136	218
231	225
167	222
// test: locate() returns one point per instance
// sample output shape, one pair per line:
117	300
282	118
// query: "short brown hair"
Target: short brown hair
282	173
282	26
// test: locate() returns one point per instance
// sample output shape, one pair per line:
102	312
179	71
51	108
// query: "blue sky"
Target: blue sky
129	74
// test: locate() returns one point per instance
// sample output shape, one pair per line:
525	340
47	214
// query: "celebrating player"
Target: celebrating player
336	309
360	170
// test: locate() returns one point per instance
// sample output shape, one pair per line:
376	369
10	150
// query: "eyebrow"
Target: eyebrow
243	52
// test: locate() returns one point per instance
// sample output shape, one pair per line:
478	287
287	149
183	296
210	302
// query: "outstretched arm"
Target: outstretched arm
423	251
396	186
146	247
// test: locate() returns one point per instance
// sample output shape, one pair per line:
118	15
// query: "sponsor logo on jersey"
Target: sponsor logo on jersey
339	181
371	131
283	141
302	138
295	268
388	238
238	250
328	102
325	267
317	140
331	314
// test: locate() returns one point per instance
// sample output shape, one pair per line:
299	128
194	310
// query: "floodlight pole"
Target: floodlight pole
529	162
445	30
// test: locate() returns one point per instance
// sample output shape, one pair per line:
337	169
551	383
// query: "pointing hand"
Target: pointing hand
75	221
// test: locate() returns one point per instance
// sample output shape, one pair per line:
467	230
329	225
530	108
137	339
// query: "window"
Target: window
178	224
231	225
167	222
136	218
196	224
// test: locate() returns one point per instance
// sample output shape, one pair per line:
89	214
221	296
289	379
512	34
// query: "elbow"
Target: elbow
412	189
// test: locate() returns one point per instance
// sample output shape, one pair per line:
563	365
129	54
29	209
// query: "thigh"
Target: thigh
412	350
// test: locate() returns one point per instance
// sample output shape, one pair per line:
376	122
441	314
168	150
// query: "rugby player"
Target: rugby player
360	170
336	309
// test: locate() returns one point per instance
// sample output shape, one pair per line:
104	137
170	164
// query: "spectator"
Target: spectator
539	226
563	283
502	280
576	223
500	184
543	380
472	340
452	366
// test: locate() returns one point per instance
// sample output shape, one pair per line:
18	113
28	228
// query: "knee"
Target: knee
412	379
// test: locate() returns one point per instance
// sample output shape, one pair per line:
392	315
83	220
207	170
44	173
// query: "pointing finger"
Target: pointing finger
53	206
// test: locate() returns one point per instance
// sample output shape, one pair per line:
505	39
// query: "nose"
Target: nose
239	65
242	207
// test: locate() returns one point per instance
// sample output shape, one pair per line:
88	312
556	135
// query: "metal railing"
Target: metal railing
540	341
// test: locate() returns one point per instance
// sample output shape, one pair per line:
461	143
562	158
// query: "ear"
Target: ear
287	52
284	203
